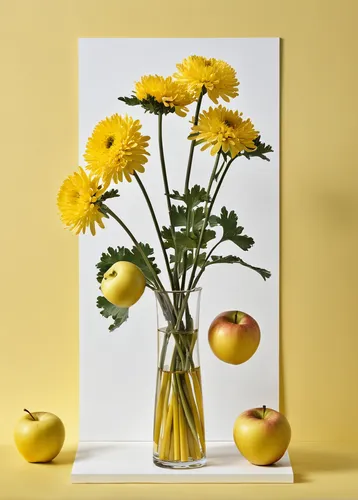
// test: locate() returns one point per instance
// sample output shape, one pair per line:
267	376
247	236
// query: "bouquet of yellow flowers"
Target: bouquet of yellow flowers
117	151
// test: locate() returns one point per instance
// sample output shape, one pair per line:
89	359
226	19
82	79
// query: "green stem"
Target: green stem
179	348
192	277
108	211
164	350
212	250
186	187
186	407
220	183
207	211
189	359
205	262
220	170
166	188
192	146
162	162
156	279
156	225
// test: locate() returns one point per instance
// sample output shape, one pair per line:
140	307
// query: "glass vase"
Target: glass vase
179	435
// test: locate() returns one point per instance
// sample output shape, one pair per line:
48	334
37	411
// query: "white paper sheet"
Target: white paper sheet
118	370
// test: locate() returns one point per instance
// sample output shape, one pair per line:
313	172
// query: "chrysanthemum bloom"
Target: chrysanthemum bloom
222	128
171	95
218	77
116	149
77	202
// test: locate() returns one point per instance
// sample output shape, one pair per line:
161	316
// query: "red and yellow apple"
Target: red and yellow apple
39	436
262	435
123	284
234	337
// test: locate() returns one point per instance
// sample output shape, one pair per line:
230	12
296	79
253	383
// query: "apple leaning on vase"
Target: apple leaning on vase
262	435
234	337
39	436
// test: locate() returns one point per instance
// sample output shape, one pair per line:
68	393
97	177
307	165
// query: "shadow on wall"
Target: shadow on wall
281	372
307	461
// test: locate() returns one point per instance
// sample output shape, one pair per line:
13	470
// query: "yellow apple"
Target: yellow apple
234	337
39	436
262	435
123	284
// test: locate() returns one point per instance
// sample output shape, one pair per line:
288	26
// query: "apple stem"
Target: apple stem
31	415
263	410
236	317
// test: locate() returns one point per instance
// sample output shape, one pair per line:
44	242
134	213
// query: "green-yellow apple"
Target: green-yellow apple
39	436
262	435
123	284
234	337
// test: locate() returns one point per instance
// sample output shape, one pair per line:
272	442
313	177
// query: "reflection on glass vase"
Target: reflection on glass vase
179	435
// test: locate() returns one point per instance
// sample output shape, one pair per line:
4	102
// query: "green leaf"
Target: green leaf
109	258
193	198
130	101
112	193
208	235
114	255
198	218
232	259
182	241
138	260
150	104
179	218
189	261
261	150
178	215
192	135
231	230
118	314
167	237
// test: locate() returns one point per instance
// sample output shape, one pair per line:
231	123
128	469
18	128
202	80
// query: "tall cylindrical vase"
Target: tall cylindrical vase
179	435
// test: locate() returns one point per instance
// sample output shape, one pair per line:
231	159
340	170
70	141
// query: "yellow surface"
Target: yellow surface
38	140
324	471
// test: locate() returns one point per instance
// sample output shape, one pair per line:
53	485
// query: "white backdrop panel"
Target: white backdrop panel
118	370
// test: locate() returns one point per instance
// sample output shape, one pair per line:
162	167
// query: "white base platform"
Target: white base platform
128	462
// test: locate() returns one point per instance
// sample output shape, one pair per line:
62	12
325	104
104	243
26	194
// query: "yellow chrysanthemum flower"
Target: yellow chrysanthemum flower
76	201
218	77
166	91
222	128
116	149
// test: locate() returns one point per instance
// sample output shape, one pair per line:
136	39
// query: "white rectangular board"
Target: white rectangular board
118	370
132	463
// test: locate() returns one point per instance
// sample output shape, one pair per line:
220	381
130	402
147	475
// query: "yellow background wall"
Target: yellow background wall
38	148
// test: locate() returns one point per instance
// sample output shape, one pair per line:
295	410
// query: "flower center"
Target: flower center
109	141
